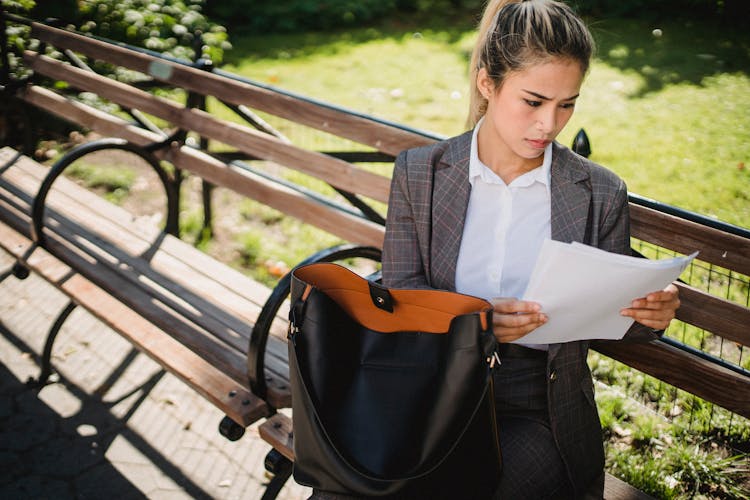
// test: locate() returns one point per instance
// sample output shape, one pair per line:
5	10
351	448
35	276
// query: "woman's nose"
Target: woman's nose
546	120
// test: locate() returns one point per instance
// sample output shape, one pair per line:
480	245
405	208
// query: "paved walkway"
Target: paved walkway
113	424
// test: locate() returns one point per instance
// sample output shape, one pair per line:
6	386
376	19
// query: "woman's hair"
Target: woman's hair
514	35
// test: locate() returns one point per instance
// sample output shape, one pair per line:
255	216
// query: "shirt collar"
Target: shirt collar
478	169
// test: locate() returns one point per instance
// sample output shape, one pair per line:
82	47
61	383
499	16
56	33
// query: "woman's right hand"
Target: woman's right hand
513	318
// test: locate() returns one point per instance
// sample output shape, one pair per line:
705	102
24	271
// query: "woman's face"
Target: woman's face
527	111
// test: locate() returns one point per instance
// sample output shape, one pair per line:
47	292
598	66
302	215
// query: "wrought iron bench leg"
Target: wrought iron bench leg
231	429
20	271
281	468
46	360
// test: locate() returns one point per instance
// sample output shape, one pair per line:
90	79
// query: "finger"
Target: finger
656	301
658	319
516	327
504	305
669	294
511	334
656	325
518	320
662	296
651	319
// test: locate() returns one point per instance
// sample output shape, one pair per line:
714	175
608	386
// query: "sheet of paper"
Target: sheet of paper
582	289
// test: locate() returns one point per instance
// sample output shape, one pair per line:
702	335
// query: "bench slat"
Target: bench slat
386	138
719	316
242	296
277	431
200	332
210	382
696	375
28	175
617	489
121	248
717	247
130	286
346	226
336	172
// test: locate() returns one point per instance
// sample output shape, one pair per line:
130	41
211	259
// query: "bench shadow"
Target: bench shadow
46	455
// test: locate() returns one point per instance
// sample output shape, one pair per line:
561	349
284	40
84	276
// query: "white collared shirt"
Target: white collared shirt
504	229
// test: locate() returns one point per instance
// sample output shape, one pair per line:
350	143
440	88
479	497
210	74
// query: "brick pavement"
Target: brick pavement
113	424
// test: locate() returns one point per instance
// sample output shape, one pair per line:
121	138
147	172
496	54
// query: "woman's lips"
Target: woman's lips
537	143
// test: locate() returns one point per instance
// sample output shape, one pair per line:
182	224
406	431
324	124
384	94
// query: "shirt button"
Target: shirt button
553	376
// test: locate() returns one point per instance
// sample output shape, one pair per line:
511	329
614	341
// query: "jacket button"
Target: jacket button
553	376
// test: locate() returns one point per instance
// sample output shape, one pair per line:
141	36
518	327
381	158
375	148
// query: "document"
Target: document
582	289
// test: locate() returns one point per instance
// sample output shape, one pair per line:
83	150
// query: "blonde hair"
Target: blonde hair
515	34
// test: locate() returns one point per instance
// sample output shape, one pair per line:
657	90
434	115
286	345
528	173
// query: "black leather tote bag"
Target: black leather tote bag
391	389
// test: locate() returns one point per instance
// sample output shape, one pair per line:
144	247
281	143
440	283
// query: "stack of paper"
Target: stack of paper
582	289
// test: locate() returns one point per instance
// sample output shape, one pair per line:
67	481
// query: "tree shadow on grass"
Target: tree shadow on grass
666	53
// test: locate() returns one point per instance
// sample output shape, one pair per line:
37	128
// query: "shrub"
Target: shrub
166	26
16	36
299	15
646	9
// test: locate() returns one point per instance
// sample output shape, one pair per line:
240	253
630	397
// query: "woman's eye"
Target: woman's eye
568	105
533	104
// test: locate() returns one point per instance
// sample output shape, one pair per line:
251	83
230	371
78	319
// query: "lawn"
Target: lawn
667	113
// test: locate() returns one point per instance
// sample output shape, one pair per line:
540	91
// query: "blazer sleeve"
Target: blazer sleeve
403	266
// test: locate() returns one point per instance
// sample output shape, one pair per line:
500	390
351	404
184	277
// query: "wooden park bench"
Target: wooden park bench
198	318
215	328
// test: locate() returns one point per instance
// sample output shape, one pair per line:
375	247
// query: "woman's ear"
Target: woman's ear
484	83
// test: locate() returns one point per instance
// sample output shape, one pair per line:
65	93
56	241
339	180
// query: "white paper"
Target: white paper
582	289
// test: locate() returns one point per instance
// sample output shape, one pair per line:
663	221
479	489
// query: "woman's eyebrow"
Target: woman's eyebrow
545	98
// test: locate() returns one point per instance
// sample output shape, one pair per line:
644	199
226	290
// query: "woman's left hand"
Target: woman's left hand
656	309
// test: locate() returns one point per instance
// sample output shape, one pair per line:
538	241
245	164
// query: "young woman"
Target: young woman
470	214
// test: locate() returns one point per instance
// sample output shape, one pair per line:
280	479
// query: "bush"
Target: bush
165	26
647	9
298	15
16	36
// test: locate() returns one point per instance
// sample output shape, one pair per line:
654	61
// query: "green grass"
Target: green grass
668	114
645	449
113	180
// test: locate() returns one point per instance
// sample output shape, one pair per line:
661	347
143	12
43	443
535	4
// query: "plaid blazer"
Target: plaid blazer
427	207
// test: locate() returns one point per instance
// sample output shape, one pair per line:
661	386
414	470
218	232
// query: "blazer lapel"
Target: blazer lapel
571	196
570	190
450	193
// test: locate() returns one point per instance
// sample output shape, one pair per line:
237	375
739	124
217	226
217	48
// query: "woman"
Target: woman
470	214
